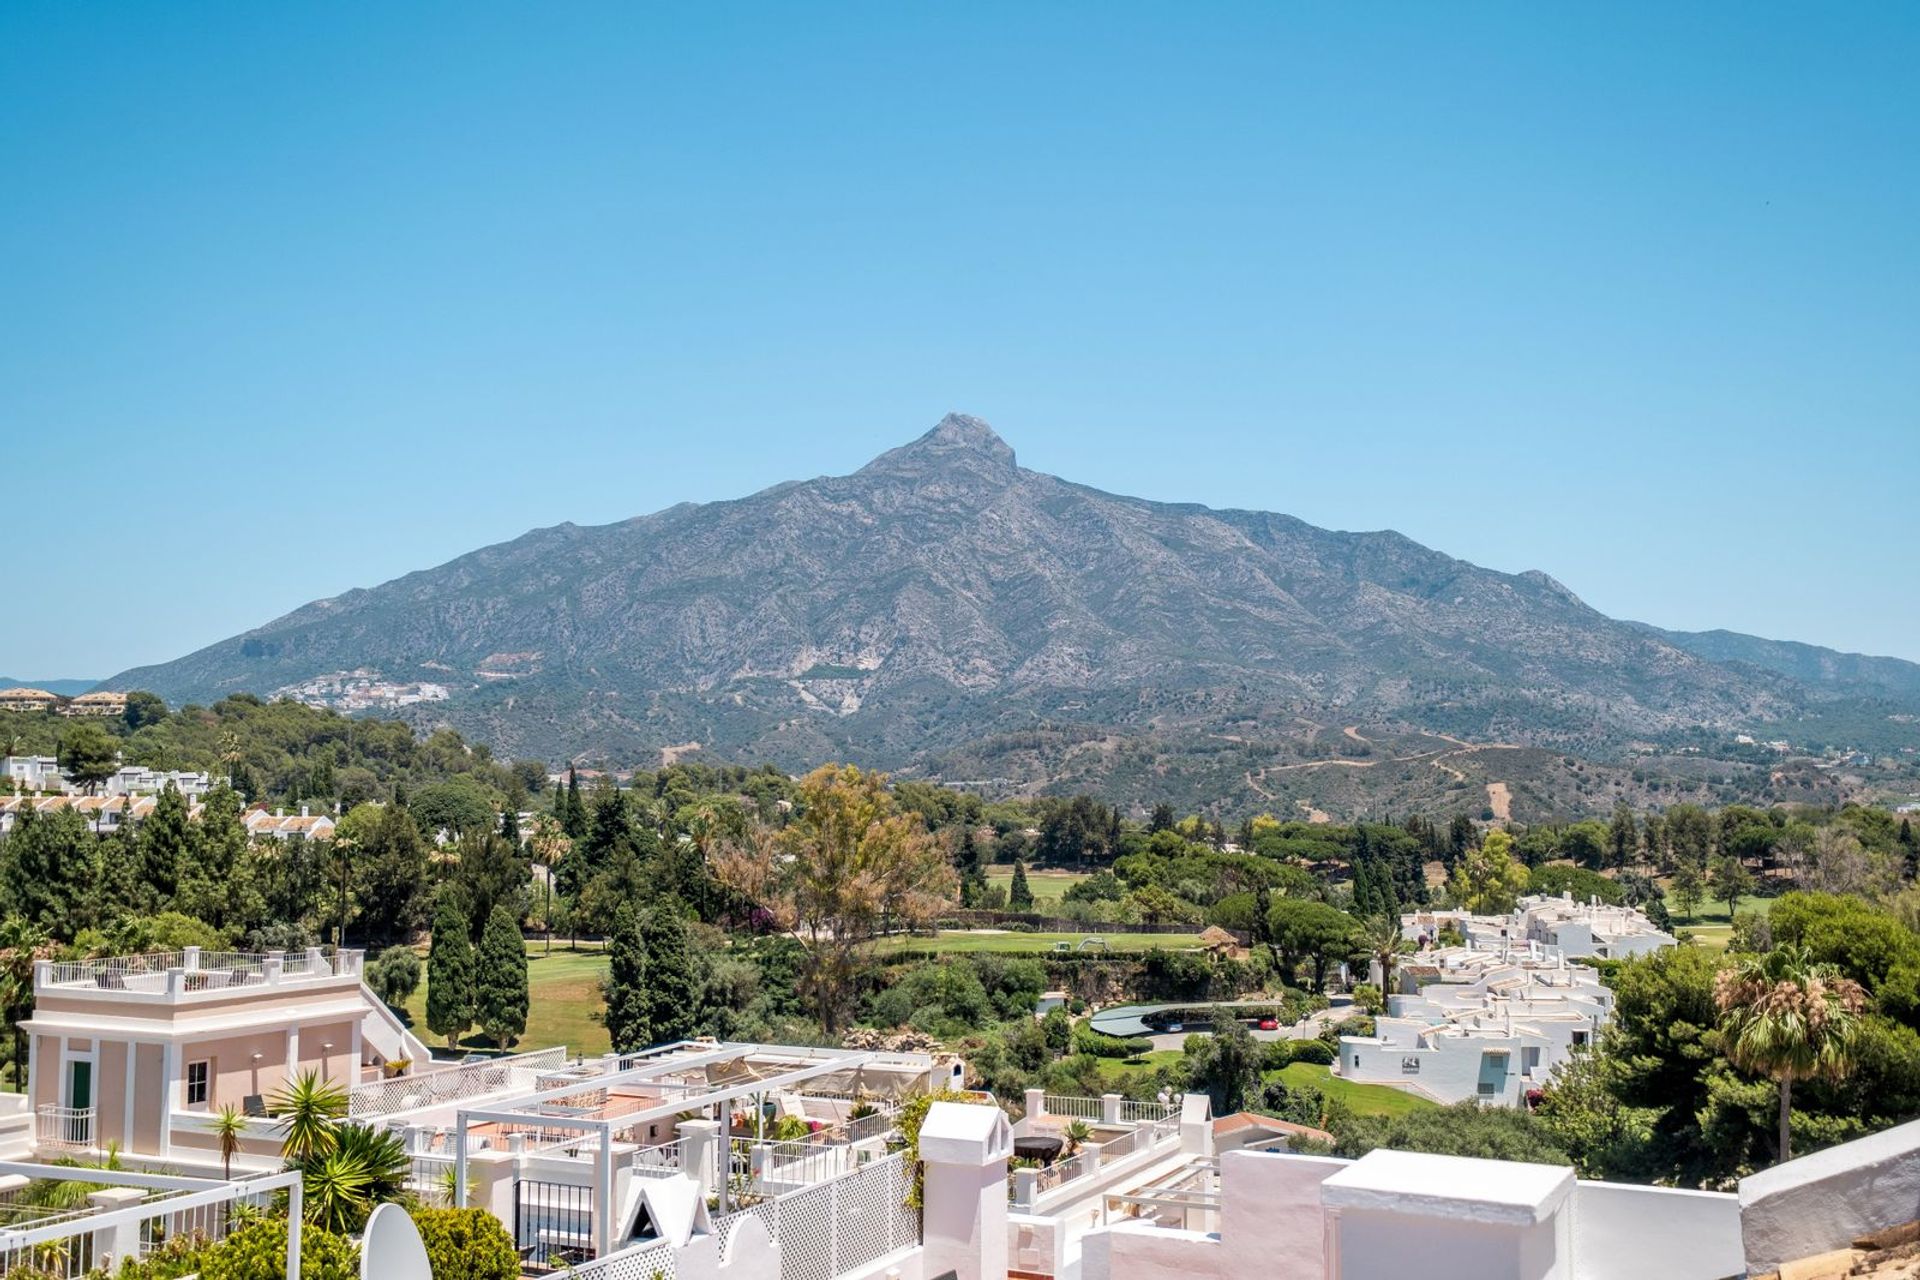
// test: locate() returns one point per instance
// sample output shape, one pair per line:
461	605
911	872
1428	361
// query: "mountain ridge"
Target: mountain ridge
943	596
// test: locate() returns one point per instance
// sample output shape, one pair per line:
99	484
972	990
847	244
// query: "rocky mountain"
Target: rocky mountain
943	602
1846	674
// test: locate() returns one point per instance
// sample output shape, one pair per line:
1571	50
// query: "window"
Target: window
197	1076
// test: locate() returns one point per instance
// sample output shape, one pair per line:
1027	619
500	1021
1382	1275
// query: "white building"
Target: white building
1560	924
32	773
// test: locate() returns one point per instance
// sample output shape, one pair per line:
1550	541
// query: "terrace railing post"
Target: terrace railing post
460	1162
294	1216
120	1242
603	1206
192	959
1110	1108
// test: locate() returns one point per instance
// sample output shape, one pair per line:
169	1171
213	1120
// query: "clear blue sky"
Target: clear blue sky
295	298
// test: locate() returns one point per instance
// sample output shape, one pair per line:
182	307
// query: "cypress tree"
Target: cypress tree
1020	896
450	992
626	987
575	820
671	993
164	839
500	988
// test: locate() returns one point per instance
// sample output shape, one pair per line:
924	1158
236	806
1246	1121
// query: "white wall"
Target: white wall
1625	1232
1383	1245
1828	1199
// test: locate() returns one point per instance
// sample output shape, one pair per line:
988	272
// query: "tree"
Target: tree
1020	894
1225	1066
1689	887
1623	836
1488	880
672	990
1787	1016
1304	929
22	943
395	975
500	985
143	709
308	1107
845	863
89	755
1384	944
625	990
393	877
229	1125
450	976
1731	880
163	842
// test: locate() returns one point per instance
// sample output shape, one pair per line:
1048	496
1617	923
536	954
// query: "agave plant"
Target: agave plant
309	1107
363	1168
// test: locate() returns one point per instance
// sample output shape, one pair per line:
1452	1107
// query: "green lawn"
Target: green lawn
563	995
1365	1099
959	940
1711	926
1047	886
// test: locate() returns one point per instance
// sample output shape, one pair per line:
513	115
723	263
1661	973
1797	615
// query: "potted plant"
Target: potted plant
395	1067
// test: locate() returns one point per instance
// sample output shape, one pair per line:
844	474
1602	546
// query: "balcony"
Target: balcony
192	974
66	1128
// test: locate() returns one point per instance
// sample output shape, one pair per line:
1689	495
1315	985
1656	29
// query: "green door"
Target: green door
79	1097
80	1084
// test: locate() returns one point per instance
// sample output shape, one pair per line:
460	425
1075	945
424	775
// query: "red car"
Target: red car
1269	1024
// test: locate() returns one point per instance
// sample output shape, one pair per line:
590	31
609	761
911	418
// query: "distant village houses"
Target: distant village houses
99	703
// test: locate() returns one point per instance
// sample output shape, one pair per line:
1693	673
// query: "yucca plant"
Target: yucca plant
1077	1133
309	1106
363	1168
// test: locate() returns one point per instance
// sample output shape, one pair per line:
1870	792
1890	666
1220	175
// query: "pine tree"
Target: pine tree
164	838
575	819
450	993
671	993
500	987
626	987
1020	896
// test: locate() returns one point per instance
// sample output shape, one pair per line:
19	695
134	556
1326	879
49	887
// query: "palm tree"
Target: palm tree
1381	937
1787	1016
308	1107
1077	1133
229	1126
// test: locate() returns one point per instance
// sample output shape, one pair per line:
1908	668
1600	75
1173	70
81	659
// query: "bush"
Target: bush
395	975
1318	1052
467	1244
258	1251
1087	1040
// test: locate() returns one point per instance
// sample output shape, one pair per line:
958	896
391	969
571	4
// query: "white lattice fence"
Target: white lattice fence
823	1231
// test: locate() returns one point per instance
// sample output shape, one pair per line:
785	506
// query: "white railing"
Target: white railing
92	1242
1147	1112
69	1128
452	1084
102	972
823	1231
1072	1108
154	973
657	1161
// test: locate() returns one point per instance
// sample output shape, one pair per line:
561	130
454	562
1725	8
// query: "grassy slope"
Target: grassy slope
564	994
1711	926
1046	886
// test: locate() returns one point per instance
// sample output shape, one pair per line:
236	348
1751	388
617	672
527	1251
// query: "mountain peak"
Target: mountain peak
956	440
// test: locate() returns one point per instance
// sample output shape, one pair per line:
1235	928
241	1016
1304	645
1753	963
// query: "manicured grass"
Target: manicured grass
1365	1099
1047	886
563	995
959	940
1711	926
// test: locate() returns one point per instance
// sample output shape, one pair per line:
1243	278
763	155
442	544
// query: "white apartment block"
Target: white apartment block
1561	925
1470	1024
43	773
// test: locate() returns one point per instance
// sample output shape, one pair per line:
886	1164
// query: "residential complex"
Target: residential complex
43	774
98	703
663	1163
1555	925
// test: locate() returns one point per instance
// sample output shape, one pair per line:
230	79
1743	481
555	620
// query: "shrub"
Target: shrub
258	1251
1086	1040
467	1244
395	975
1318	1052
